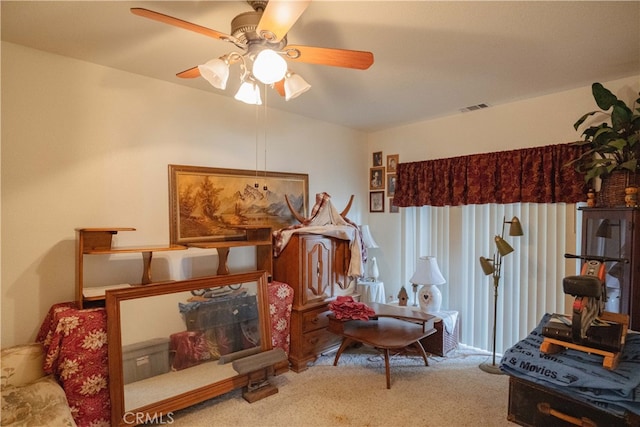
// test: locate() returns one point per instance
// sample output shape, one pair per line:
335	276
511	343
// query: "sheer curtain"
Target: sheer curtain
531	282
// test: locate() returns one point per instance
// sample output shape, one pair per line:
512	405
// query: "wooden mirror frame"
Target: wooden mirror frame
163	408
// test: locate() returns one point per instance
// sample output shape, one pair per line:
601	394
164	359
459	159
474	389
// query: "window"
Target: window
531	282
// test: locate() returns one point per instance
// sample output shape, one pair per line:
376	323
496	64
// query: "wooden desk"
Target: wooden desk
393	328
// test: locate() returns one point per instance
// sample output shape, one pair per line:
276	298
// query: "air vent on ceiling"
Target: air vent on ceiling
474	108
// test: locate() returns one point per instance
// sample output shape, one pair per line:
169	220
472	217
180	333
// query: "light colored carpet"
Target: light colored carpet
451	391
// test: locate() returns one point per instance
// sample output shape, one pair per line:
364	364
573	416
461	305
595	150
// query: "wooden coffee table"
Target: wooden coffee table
393	328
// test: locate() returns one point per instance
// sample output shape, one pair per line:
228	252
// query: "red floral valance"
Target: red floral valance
535	175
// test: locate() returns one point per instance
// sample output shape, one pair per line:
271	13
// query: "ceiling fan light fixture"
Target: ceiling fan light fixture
216	72
262	36
269	67
249	93
294	85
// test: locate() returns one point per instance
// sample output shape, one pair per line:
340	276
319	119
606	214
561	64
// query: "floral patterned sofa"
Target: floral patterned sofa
76	352
30	397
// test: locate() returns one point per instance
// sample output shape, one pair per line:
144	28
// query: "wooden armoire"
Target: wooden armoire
316	267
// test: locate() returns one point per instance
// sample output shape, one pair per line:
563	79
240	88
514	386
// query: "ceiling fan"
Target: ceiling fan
262	36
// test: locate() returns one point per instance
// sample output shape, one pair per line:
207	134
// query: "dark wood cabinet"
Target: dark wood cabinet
315	266
614	233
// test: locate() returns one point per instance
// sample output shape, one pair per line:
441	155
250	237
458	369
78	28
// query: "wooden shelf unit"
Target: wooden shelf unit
99	241
256	235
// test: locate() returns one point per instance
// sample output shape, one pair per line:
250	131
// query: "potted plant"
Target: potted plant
612	146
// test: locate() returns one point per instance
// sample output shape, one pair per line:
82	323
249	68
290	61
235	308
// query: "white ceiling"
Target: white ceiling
432	58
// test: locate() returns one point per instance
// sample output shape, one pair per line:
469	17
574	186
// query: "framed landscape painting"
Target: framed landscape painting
205	204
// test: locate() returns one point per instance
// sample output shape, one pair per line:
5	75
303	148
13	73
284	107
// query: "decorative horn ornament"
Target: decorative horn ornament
295	213
344	213
304	220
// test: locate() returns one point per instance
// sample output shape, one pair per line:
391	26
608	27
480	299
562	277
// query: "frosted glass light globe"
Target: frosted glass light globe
269	67
249	93
215	72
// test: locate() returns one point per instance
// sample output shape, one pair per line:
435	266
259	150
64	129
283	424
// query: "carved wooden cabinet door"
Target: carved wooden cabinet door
317	268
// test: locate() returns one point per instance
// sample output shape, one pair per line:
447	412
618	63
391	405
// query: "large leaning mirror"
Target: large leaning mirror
171	344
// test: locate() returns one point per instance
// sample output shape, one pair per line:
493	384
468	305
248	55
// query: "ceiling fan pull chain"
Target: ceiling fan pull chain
265	138
256	184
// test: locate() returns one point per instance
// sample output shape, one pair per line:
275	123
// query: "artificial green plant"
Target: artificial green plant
611	147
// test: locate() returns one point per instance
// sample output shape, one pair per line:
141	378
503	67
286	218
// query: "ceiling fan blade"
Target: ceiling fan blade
278	18
357	59
166	19
279	87
189	74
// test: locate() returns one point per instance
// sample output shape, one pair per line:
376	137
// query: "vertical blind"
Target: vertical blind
531	282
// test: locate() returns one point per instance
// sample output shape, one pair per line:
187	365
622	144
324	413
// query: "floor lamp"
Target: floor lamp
494	267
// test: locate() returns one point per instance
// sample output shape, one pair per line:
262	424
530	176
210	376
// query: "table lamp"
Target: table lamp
371	268
429	276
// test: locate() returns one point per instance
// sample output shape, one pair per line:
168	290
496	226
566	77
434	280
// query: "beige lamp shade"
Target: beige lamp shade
367	238
503	247
487	265
515	229
427	272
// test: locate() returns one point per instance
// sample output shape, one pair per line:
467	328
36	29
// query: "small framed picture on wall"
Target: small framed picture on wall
393	208
376	178
376	201
392	163
391	184
377	158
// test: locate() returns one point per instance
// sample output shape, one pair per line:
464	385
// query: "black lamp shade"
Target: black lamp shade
604	229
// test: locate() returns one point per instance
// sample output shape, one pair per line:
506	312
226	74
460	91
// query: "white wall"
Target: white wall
540	121
88	146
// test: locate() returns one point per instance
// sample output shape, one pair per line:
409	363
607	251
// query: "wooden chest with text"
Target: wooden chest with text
532	404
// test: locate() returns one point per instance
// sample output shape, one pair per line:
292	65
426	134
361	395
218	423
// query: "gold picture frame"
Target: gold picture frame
376	178
376	160
392	162
393	208
205	204
391	184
